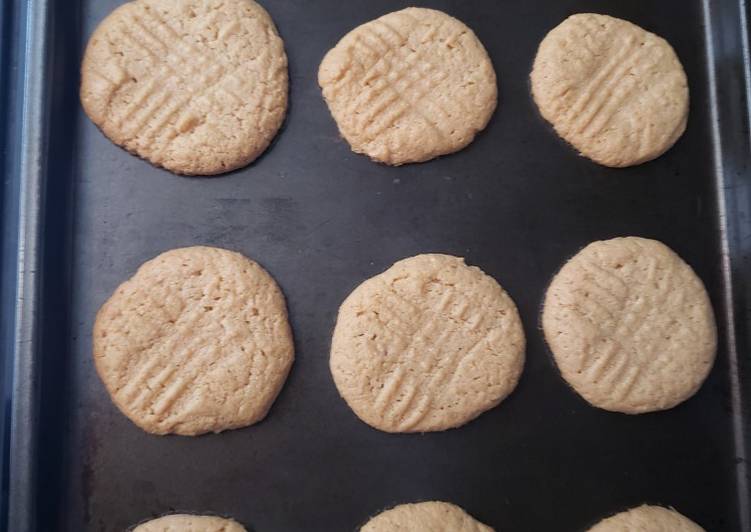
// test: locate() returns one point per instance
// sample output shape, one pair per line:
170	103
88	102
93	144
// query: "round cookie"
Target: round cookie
427	345
614	91
647	518
430	516
196	341
189	522
409	86
630	325
198	87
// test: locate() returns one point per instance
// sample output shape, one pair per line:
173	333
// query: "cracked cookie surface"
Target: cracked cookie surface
427	345
198	87
196	341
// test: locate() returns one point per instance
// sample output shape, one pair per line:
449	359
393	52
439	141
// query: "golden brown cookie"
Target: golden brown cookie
616	92
427	345
196	341
409	86
196	86
430	516
190	523
647	519
630	325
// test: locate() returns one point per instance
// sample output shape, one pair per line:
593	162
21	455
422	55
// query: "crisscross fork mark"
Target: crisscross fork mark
185	72
161	23
426	388
392	385
632	376
160	83
450	370
604	97
387	47
171	134
595	371
470	355
595	269
394	95
368	70
391	388
381	50
403	67
592	305
659	299
452	38
635	371
160	97
147	90
131	390
194	369
390	29
413	99
638	136
153	387
595	82
400	301
190	365
632	330
406	402
216	58
604	73
603	292
390	96
584	363
206	26
384	310
606	110
589	29
450	367
145	370
135	396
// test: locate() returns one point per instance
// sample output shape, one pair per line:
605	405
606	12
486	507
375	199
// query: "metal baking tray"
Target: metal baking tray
80	215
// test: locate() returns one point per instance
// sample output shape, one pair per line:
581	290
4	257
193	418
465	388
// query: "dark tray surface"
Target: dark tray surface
517	203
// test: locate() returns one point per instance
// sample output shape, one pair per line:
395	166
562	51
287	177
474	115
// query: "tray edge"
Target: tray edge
732	165
29	170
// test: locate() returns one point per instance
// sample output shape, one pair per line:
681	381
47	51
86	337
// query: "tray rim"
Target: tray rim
29	170
730	187
29	98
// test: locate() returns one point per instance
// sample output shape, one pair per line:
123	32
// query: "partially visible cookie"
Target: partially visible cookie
647	518
195	86
430	516
190	523
409	86
614	91
196	341
427	345
630	325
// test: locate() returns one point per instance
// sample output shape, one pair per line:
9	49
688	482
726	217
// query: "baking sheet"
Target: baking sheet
517	203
